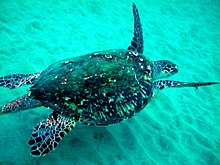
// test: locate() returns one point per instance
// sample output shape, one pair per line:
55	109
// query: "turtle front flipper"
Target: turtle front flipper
20	104
137	41
17	80
162	84
48	133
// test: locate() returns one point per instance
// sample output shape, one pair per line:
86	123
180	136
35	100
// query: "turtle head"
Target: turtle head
163	68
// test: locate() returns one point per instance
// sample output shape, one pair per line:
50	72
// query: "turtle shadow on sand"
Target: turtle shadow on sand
95	146
97	89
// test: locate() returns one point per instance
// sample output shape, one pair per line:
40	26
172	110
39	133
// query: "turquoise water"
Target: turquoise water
178	127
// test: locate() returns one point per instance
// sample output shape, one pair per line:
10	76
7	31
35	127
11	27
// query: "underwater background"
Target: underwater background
178	127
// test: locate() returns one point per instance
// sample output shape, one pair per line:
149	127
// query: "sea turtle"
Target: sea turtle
99	88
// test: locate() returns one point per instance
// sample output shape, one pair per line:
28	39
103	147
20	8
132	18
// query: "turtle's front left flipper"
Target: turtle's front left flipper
137	43
20	104
48	133
162	84
17	80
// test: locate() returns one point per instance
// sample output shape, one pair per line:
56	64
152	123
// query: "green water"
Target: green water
178	127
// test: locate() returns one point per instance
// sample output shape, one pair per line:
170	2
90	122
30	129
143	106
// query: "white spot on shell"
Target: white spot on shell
136	78
66	98
81	103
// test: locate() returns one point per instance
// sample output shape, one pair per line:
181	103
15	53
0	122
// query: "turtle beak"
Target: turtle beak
175	69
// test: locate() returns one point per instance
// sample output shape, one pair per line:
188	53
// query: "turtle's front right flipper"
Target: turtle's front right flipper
17	80
162	84
48	133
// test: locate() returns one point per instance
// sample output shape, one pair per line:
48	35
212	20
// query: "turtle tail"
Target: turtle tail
162	84
20	104
17	80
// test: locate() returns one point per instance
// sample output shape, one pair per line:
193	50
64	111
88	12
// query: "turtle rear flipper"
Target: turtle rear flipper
17	80
48	133
162	84
20	104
